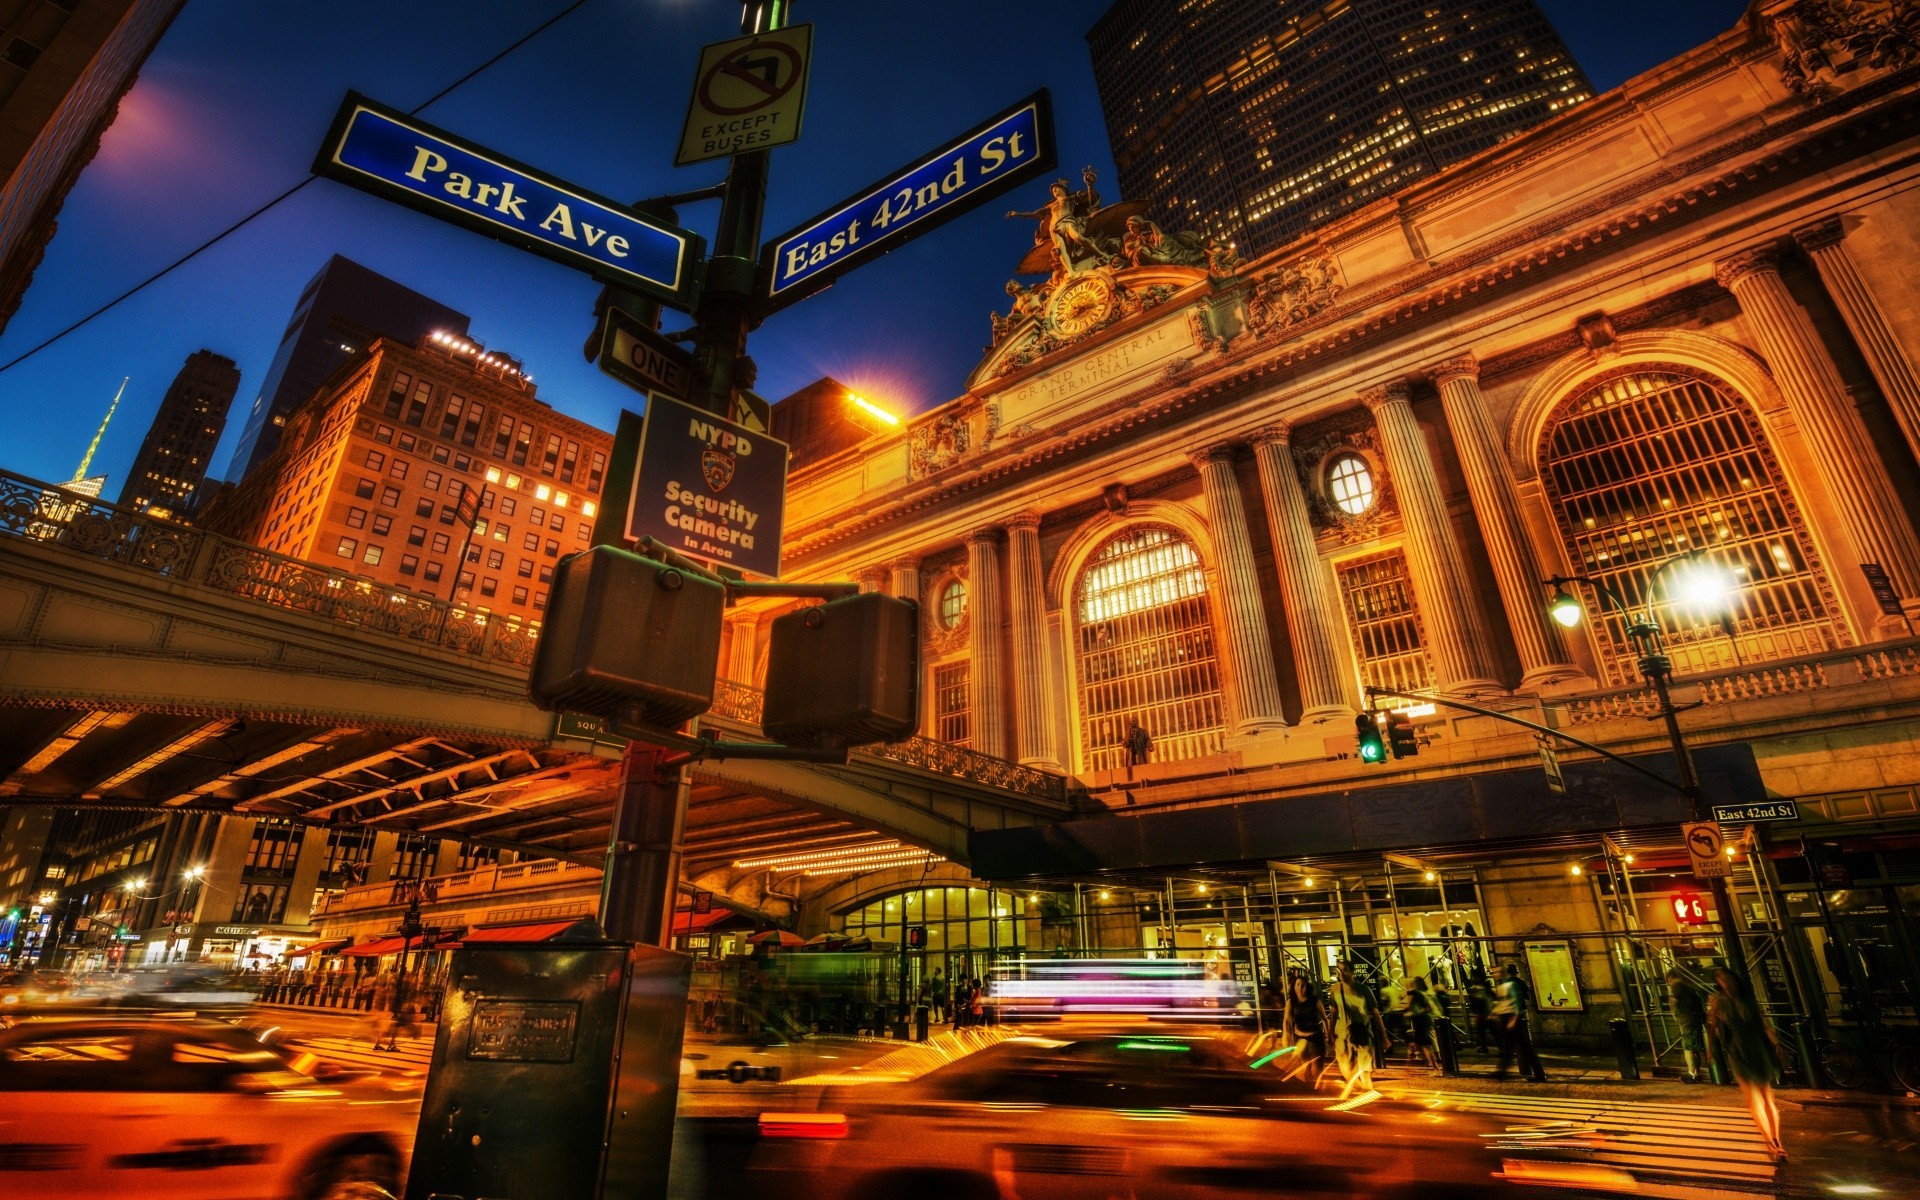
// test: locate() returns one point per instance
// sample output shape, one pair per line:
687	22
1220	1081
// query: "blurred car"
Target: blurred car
1065	1117
94	1106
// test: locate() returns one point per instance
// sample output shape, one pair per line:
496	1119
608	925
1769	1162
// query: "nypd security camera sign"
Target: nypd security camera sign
709	488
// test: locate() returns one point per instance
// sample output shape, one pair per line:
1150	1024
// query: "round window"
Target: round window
953	603
1350	484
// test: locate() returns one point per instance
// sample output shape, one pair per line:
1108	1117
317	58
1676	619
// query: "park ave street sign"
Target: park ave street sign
709	488
749	93
399	158
975	167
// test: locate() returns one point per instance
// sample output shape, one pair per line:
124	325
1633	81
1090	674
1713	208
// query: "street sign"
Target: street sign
978	165
1707	847
748	94
642	359
1748	814
709	488
383	151
702	902
1550	763
1883	592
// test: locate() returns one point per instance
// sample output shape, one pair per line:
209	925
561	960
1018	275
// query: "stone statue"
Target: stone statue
1144	245
1064	222
1027	302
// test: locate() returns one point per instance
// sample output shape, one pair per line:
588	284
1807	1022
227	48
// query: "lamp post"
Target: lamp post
1656	666
411	927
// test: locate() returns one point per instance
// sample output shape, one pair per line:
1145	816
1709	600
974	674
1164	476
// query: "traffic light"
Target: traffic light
1366	728
628	638
847	671
1400	735
916	937
1688	908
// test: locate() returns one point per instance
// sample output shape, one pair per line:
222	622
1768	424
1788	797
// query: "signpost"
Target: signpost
382	150
749	93
982	163
642	359
709	488
1707	847
1748	814
1550	764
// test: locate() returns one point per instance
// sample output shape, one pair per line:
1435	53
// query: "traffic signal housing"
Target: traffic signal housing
1689	908
628	638
847	670
1401	739
1366	728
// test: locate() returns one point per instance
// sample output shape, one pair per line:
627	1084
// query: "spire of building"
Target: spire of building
80	479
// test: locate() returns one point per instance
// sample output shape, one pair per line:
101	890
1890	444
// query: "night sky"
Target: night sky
232	105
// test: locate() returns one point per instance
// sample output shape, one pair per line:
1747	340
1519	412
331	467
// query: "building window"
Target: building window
356	518
1350	483
273	848
432	480
489	586
375	460
450	421
372	556
520	595
473	857
432	573
953	604
525	569
952	707
364	488
441	543
417	404
963	926
1384	621
507	505
261	903
1145	649
496	559
412	857
383	433
539	602
399	468
397	398
348	853
416	536
347	548
409	564
423	507
1658	462
390	497
382	524
596	472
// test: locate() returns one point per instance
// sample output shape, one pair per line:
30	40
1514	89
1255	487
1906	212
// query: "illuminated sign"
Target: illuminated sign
978	165
382	150
709	489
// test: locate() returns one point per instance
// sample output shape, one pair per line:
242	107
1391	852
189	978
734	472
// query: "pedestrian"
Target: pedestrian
1420	1014
1356	1023
939	990
1690	1014
1393	1012
1742	1034
976	1004
1139	744
1510	1027
1304	1025
1480	1006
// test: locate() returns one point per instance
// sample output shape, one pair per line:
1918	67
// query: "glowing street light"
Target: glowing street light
1565	609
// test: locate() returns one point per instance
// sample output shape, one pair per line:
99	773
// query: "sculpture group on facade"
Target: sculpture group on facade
1820	40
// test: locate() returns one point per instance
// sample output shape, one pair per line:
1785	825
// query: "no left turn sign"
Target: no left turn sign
748	94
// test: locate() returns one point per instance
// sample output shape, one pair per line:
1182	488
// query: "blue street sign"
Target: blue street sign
399	158
975	167
709	488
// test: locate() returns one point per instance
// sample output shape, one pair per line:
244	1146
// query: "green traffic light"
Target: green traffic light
1366	730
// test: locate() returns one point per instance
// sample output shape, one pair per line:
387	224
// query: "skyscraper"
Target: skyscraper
1255	120
339	313
63	69
173	459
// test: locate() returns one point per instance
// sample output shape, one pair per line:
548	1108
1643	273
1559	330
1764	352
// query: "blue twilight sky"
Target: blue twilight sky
231	107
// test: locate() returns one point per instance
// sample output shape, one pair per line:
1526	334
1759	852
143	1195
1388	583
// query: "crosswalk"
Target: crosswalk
1611	1142
411	1057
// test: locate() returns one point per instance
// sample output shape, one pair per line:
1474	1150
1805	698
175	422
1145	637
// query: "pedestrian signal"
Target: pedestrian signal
1689	909
916	937
1400	736
1366	728
847	670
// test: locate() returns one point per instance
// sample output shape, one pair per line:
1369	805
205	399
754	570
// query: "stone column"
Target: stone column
905	582
1892	369
1034	696
1253	690
984	648
744	650
872	579
1869	509
1322	649
1543	653
1462	657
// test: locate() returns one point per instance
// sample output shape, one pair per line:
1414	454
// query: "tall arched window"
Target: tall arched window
1655	462
1144	633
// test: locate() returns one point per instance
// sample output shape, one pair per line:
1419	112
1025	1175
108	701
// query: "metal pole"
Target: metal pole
1253	960
1659	669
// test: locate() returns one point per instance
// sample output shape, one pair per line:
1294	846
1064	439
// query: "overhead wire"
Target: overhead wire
270	205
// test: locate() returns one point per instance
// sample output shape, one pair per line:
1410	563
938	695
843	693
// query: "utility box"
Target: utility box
846	670
555	1072
628	637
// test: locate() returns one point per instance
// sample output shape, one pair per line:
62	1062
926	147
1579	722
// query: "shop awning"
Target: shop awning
376	948
686	921
526	931
318	948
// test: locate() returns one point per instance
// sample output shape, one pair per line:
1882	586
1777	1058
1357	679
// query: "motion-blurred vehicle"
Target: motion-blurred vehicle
187	1110
1148	1115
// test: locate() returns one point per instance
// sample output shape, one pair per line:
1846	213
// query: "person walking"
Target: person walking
1304	1025
938	993
1356	1023
1690	1014
1510	1027
976	1004
1736	1027
1421	1010
1480	1007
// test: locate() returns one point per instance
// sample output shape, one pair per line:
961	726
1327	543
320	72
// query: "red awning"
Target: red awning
376	948
686	921
327	947
535	931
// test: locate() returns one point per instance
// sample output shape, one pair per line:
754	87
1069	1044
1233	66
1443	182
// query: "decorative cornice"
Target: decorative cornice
1745	264
1024	520
1465	366
1220	452
1274	433
1827	231
1387	393
987	535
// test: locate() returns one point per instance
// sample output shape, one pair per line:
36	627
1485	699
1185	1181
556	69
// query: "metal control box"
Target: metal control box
555	1072
626	635
848	669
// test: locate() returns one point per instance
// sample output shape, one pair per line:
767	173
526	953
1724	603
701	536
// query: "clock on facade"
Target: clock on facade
1081	304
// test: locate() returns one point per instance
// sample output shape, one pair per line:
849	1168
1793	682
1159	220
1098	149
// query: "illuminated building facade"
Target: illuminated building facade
172	462
63	69
1253	120
343	308
412	456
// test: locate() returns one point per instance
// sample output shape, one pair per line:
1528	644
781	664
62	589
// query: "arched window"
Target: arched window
1144	634
1656	462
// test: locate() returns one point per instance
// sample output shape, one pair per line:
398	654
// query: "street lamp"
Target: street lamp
1700	585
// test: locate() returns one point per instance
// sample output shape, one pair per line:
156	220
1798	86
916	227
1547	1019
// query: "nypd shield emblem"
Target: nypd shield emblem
717	466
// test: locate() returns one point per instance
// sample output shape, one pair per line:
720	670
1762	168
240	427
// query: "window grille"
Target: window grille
1144	634
953	604
1383	619
952	716
1659	462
